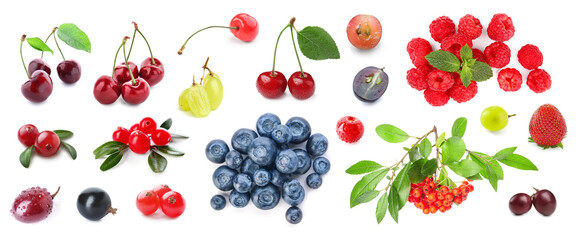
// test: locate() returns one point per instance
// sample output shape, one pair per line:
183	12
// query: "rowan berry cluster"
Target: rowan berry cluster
431	197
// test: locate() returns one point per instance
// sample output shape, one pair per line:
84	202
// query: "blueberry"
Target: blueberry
239	200
262	177
321	165
266	197
314	180
304	163
317	144
249	167
299	128
242	139
278	178
292	192
294	215
262	151
242	183
266	123
234	159
287	161
218	202
216	151
281	134
223	178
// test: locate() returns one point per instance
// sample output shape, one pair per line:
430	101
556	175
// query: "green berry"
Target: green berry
494	118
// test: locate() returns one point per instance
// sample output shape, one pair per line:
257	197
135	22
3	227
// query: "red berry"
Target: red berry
417	49
426	189
161	189
458	200
47	143
455	42
245	27
271	85
418	77
547	126
470	26
456	191
509	79
539	80
121	135
444	189
421	205
442	209
27	134
426	210
301	85
436	98
433	209
478	55
438	203
173	204
417	193
122	74
441	28
497	55
439	80
447	202
460	93
139	142
530	57
449	196
350	129
471	187
147	202
135	93
147	125
134	127
432	197
500	28
151	73
440	195
32	205
161	137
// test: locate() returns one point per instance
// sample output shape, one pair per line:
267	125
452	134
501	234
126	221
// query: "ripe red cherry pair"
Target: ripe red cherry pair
272	84
171	202
138	136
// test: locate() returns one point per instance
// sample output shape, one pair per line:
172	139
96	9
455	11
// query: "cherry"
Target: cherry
122	74
173	204
139	142
106	90
161	189
27	134
38	88
147	125
69	71
244	27
150	72
38	64
161	137
545	202
135	92
147	202
47	143
520	203
33	205
271	84
301	85
121	135
364	31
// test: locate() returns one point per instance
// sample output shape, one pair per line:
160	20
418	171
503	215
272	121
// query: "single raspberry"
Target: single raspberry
497	55
470	26
418	48
460	93
350	129
509	79
439	80
500	28
418	77
442	27
455	42
478	55
530	57
436	98
539	80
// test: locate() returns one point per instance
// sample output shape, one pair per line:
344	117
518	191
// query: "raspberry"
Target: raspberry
478	55
436	98
530	57
470	26
500	28
460	93
418	48
497	55
418	77
539	80
439	80
350	129
509	79
455	42
442	27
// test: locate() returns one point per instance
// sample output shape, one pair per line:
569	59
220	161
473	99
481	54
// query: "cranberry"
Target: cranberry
47	143
27	134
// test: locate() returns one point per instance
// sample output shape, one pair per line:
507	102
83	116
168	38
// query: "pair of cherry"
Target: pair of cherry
272	84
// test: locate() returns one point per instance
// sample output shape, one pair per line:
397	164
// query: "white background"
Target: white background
551	25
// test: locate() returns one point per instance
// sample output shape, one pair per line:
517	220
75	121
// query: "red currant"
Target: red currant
47	143
121	135
161	137
147	125
134	127
173	204
139	142
161	189
27	134
147	202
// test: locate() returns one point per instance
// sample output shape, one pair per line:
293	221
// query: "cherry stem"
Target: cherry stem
57	43
276	47
126	63
54	194
46	40
115	60
184	45
21	57
132	41
295	45
146	42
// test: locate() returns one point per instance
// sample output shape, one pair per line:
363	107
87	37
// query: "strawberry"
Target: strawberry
547	127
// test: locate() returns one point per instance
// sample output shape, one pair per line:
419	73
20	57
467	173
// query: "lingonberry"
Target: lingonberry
121	135
147	202
147	125
134	127
47	143
161	137
139	142
27	134
173	204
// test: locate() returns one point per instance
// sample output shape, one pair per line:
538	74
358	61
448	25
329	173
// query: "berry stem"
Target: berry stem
132	41
54	194
511	115
276	47
126	62
295	46
46	40
21	57
57	43
204	70
115	60
146	42
184	45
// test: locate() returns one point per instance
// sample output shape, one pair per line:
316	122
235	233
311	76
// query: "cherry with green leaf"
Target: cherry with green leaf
45	143
39	85
69	70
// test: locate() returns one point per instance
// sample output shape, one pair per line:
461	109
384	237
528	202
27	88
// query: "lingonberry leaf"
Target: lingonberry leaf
73	36
178	136
38	44
504	153
63	134
402	184
466	76
156	162
425	148
393	203
368	182
429	167
367	196
415	172
364	166
444	60
25	156
391	133
480	71
112	160
108	148
453	149
459	127
316	44
381	208
466	54
465	168
72	151
169	150
166	124
518	162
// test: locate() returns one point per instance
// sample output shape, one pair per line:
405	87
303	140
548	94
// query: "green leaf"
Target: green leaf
481	71
39	45
414	154
393	203
415	172
444	60
391	133
475	177
157	162
469	62
108	148
497	169
402	184
425	148
112	160
381	209
63	134
368	182
466	53
72	151
166	124
445	179
73	36
367	196
504	153
440	140
177	136
25	156
491	177
466	76
430	167
453	149
169	150
459	127
362	167
519	162
316	44
465	168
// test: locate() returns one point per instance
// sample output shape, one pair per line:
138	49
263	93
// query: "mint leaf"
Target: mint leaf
38	44
519	162
391	133
466	53
73	36
316	44
481	71
381	209
444	60
362	167
466	76
368	182
459	127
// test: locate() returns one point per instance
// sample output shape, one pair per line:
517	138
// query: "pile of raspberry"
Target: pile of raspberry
431	197
439	86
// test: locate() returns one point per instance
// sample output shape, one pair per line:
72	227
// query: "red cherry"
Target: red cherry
69	71
271	86
38	87
161	137
161	189
147	125
139	142
147	202
173	204
301	86
121	135
135	93
122	73
27	134
153	74
106	90
47	143
247	27
38	64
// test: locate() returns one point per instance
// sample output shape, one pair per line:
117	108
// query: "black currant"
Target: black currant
94	204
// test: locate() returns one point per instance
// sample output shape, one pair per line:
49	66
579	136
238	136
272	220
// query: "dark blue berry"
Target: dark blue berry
293	192
218	202
216	151
304	163
314	180
278	178
321	165
262	151
223	178
266	123
281	134
262	177
300	129
238	199
234	159
249	167
242	139
294	215
266	197
317	145
242	183
287	161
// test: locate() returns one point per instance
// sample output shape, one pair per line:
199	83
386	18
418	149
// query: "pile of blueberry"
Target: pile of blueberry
263	165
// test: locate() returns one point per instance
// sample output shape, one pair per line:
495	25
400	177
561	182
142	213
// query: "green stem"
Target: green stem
276	47
57	45
148	47
46	40
184	45
21	57
132	40
115	60
127	64
295	46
